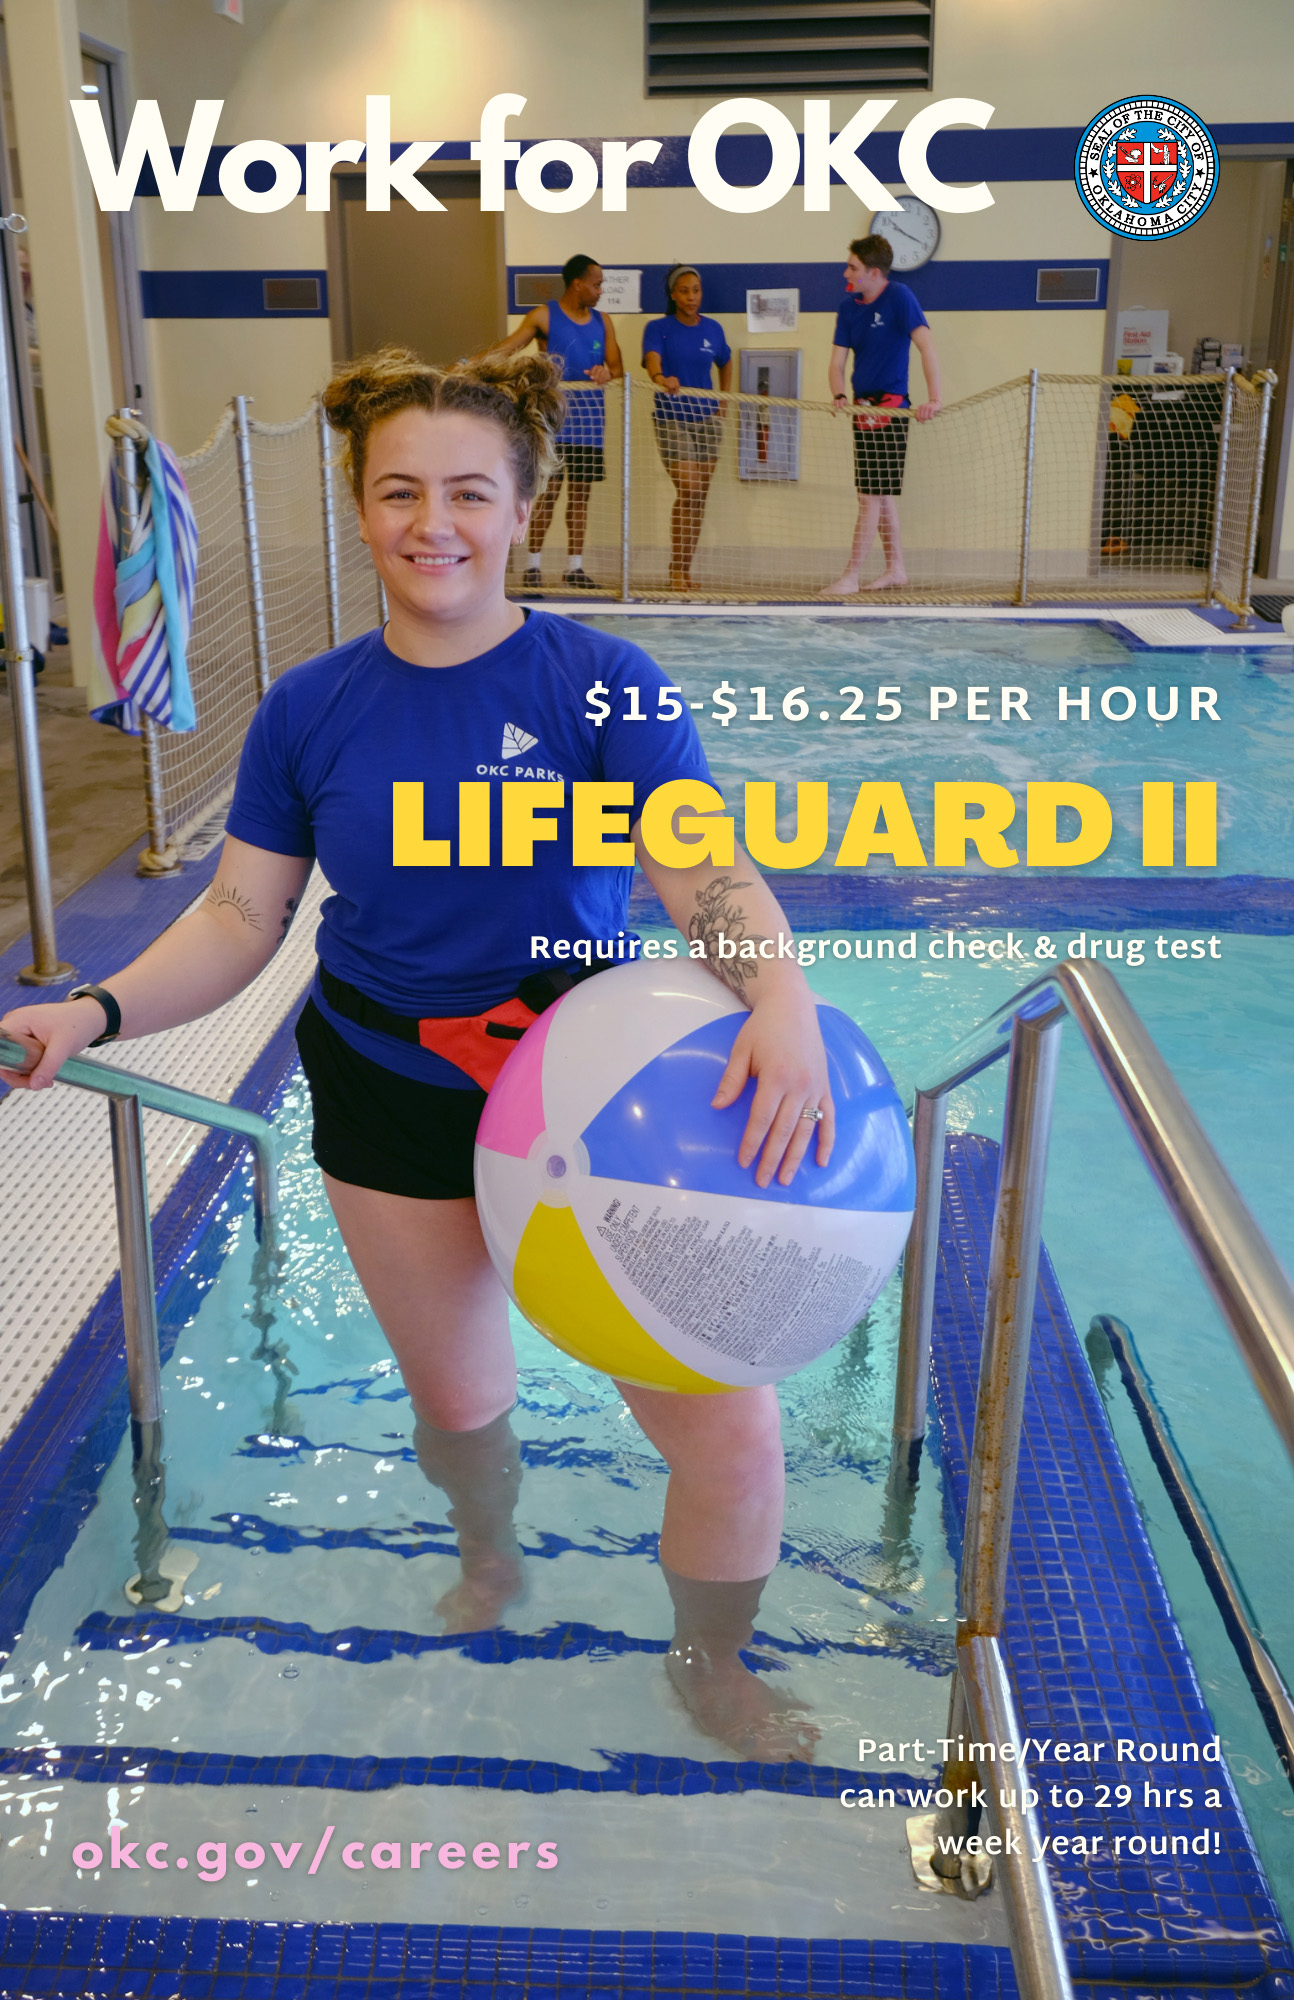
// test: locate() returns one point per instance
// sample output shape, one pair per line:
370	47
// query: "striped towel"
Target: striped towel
143	599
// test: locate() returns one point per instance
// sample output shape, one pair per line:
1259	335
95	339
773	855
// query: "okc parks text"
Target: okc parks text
685	822
1114	704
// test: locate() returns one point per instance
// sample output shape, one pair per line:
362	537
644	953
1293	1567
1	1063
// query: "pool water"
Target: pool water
307	1627
308	1630
1249	751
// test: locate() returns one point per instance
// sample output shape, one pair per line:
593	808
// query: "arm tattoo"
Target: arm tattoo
289	911
221	896
718	915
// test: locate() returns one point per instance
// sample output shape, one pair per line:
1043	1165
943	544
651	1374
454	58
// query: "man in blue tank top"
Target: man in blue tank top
572	327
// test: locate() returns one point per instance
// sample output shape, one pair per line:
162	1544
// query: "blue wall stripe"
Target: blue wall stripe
1011	153
951	285
221	295
948	285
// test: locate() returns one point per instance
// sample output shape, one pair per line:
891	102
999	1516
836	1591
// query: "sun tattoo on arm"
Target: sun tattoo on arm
717	914
222	897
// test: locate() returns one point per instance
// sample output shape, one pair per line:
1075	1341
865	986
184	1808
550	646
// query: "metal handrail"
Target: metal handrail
1252	1292
128	1095
1108	1339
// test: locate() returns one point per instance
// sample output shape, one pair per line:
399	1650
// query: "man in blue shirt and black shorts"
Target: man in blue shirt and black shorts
877	322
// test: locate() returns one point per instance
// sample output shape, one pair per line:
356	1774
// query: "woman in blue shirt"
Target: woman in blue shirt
680	353
418	957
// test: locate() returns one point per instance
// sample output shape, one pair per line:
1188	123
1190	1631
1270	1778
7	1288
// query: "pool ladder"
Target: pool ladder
1238	1265
128	1095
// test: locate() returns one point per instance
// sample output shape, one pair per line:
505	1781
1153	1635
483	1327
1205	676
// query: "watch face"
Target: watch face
912	230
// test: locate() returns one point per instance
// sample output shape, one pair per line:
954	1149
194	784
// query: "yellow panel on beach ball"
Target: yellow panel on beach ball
561	1291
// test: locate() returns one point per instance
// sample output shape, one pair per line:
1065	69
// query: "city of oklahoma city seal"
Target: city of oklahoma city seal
1146	167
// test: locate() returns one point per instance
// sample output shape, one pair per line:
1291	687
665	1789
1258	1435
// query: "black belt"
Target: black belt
538	991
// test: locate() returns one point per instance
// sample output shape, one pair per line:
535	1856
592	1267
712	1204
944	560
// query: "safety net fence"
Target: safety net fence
1060	488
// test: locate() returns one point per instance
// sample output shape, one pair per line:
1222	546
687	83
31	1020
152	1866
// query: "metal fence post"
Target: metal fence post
626	448
252	540
331	576
1220	484
46	968
1026	513
1244	609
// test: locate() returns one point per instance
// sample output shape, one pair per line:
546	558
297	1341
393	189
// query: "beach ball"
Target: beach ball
619	1220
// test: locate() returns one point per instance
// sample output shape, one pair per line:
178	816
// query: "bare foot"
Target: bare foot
679	580
478	1600
889	579
844	586
732	1705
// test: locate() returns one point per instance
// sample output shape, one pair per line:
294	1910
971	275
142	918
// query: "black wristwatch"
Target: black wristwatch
111	1010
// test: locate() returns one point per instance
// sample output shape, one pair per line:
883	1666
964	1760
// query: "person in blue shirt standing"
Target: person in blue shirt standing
426	977
571	328
877	322
680	353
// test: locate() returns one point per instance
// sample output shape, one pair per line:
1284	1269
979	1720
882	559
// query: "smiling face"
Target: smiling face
440	512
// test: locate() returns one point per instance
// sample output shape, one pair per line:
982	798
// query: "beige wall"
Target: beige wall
42	41
301	69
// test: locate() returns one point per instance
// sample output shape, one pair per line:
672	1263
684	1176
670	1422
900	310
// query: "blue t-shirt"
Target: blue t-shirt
880	335
581	348
333	735
691	353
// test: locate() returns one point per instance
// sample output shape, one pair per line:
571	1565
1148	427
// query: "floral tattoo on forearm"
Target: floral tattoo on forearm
718	915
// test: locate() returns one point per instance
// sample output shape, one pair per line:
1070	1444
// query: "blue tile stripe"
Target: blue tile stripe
356	1645
1253	905
638	1772
1093	1647
44	1955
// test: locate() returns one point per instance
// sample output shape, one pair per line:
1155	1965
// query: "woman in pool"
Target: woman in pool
445	465
680	353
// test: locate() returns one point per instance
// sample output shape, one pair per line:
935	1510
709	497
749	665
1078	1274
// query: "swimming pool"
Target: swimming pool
1249	751
300	1495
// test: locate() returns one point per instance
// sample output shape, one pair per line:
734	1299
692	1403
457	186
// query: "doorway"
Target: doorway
1227	278
433	282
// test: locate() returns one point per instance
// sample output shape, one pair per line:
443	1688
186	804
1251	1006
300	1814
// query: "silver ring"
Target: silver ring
815	1112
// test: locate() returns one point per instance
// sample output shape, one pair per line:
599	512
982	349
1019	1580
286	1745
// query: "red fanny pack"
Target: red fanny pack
479	1044
874	420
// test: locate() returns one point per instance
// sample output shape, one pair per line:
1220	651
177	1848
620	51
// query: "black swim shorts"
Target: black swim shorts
880	447
583	464
375	1129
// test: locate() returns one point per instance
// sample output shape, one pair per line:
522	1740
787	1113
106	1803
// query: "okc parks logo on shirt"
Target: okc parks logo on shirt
516	742
1146	167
